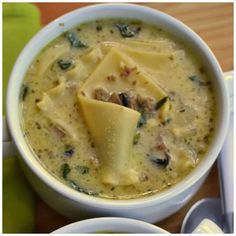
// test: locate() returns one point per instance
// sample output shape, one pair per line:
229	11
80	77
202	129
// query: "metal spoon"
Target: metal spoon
218	210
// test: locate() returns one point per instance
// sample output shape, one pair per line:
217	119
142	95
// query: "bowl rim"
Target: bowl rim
108	221
68	192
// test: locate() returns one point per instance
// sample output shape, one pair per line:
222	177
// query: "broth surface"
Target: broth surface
164	150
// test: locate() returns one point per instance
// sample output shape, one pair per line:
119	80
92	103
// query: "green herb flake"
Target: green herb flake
161	102
65	64
141	122
197	80
125	31
65	169
82	190
136	138
98	28
74	41
206	138
68	150
83	169
24	92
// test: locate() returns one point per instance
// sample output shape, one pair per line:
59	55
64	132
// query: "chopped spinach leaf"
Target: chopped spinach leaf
124	99
68	150
197	80
160	103
161	162
64	64
98	28
202	70
65	169
83	169
82	190
141	122
206	138
74	41
125	31
24	92
136	138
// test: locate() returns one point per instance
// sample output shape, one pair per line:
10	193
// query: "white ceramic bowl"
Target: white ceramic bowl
110	225
120	225
78	205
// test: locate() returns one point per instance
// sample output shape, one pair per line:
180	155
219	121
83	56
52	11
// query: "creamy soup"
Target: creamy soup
117	109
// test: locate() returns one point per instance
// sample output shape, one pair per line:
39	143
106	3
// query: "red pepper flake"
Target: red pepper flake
161	146
126	71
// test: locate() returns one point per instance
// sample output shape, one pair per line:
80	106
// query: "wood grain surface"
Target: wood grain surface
214	23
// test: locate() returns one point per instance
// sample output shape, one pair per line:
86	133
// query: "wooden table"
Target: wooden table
214	23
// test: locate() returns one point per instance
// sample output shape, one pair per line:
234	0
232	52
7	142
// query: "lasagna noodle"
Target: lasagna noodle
52	104
158	56
112	126
112	64
147	57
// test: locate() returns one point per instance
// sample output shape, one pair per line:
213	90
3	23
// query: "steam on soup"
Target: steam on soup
117	110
